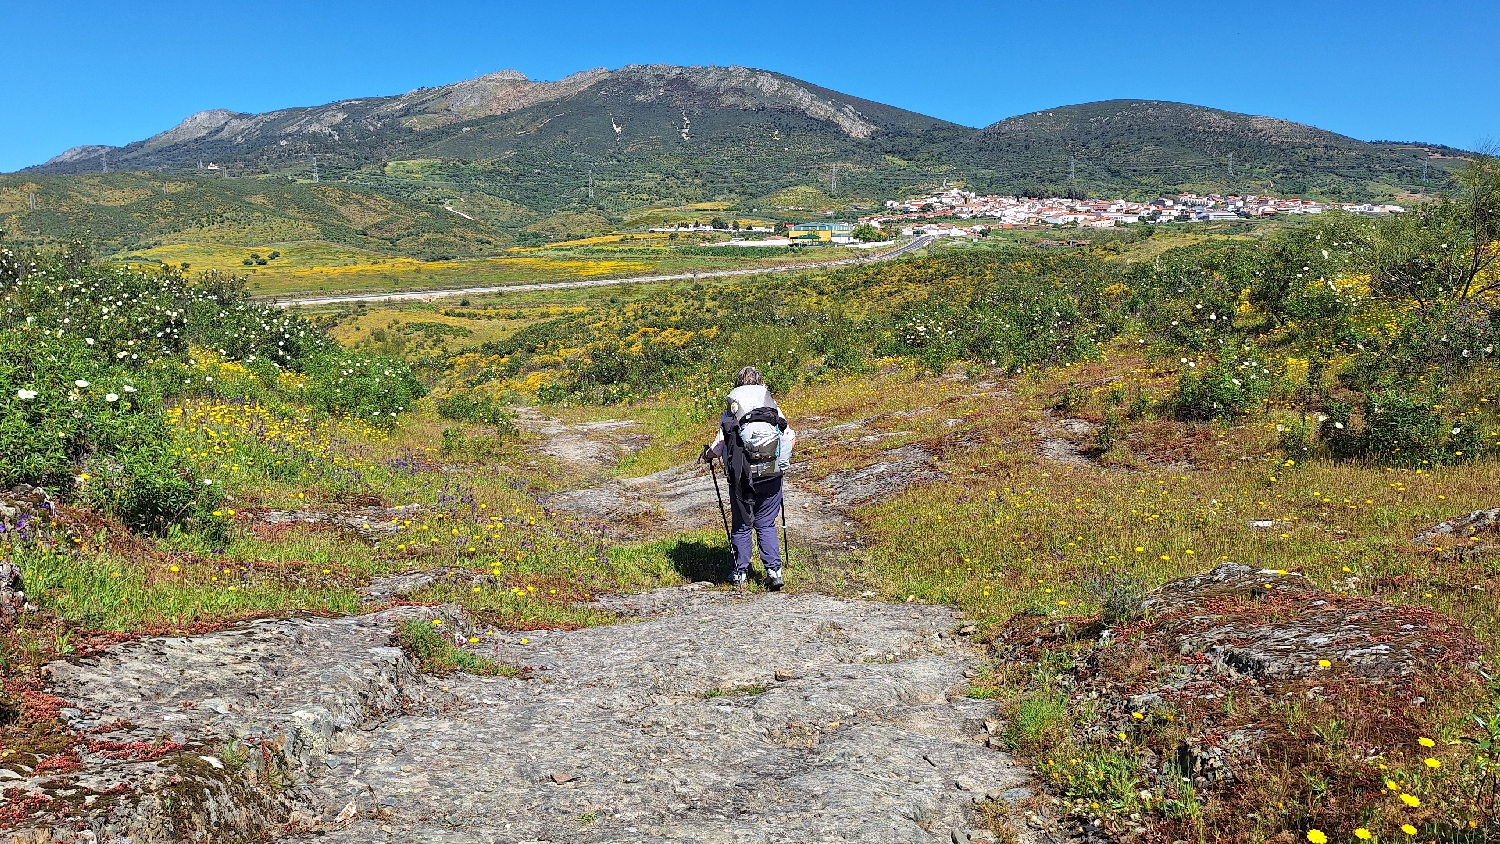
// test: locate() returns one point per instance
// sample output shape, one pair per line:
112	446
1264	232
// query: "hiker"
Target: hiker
755	443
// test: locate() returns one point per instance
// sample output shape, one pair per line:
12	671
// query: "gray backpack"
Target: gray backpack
754	421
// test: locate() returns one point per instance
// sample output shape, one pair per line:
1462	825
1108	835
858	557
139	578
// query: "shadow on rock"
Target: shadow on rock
698	561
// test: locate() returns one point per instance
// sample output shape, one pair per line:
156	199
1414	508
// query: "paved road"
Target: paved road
918	243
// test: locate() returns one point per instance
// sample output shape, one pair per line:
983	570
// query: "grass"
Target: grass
734	691
434	652
412	330
1036	720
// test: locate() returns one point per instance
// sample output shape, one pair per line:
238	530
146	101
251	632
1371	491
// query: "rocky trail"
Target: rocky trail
677	499
702	716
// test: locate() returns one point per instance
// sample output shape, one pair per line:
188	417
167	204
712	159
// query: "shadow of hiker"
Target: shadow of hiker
698	561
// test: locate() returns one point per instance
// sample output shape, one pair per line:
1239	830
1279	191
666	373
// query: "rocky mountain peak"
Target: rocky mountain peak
743	87
79	153
194	127
484	96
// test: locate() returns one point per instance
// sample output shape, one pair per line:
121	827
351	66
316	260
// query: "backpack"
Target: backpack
754	423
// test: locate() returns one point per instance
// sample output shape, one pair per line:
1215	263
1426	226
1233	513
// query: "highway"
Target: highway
424	295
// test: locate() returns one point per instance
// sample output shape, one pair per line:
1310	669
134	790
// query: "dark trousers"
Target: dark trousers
765	503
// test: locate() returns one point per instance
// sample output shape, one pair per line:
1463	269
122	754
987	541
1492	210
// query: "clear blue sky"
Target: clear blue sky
113	72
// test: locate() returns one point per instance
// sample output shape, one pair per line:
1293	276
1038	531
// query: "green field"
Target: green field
310	268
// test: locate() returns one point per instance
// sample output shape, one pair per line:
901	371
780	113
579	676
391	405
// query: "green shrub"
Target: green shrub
464	406
89	353
1232	385
1399	428
149	488
371	388
61	403
1404	426
1296	438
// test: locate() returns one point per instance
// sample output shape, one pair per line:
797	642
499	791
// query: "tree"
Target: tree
868	233
1448	253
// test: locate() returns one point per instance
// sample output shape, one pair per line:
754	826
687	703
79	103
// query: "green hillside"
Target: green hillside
125	211
468	168
1145	147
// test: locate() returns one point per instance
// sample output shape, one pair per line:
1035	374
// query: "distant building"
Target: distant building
1216	215
822	233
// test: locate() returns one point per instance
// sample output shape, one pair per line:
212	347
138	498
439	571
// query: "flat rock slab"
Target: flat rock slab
1280	625
588	445
177	737
676	729
1477	531
1062	441
390	587
710	717
896	470
362	521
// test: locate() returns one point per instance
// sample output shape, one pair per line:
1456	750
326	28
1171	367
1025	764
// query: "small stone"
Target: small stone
1014	795
561	777
786	674
964	783
968	630
8	774
1149	702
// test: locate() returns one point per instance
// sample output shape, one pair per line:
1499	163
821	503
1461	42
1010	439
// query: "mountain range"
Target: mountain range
511	152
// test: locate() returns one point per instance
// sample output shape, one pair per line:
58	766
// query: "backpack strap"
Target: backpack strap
737	473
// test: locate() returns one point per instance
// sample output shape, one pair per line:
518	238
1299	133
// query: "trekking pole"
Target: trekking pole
786	548
719	495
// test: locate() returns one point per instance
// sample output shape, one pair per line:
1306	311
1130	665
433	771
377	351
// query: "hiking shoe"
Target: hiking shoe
737	581
773	579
